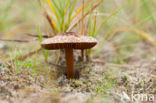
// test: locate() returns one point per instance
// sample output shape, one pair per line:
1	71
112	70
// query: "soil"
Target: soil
137	74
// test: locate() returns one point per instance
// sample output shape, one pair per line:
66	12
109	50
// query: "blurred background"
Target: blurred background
134	20
18	16
27	15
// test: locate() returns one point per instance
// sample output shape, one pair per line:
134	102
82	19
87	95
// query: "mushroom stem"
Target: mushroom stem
82	54
69	62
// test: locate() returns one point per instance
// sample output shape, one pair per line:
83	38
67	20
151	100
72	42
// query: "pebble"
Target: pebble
1	64
61	81
2	68
1	45
75	98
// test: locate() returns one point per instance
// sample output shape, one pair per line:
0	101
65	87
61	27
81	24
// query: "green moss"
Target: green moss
107	81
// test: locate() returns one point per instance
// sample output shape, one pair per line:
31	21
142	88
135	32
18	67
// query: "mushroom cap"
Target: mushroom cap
69	40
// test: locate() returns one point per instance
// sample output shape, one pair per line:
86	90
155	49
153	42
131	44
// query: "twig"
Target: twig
31	34
26	55
44	36
26	41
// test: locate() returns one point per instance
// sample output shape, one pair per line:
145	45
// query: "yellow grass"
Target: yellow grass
79	10
51	6
143	34
46	13
86	14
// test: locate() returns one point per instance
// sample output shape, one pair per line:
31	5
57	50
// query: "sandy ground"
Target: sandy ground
137	76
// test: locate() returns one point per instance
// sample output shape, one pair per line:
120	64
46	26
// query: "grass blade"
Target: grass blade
52	8
44	52
111	15
149	11
79	10
52	23
94	26
143	34
70	14
86	14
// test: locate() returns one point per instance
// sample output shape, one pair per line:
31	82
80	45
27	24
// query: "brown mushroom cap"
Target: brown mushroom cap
69	40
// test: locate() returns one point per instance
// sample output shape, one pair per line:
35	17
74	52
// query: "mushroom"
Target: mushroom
69	41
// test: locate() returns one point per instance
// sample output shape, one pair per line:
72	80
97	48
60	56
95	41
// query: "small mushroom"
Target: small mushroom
69	41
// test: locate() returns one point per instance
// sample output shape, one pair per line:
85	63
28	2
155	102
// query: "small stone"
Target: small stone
77	74
2	68
16	87
61	81
1	64
1	45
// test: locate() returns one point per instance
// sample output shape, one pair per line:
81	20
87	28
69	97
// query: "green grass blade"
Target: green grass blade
56	6
44	52
145	19
71	9
94	28
7	9
90	25
149	12
111	15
